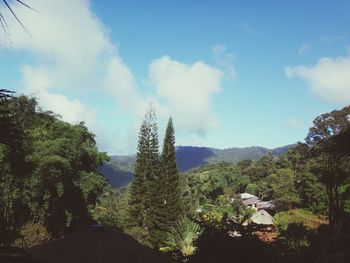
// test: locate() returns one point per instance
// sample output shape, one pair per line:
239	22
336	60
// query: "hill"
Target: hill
96	244
119	170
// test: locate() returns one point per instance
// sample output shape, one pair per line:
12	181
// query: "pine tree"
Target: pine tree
171	176
155	193
137	189
141	202
166	210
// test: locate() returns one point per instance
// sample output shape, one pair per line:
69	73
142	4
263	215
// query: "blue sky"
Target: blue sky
231	73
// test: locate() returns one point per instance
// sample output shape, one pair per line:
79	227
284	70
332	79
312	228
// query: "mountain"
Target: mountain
119	170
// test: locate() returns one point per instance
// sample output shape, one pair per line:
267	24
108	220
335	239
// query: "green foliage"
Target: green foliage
48	174
295	238
283	188
241	213
298	216
32	234
182	237
146	172
170	177
111	209
207	184
155	194
312	193
327	139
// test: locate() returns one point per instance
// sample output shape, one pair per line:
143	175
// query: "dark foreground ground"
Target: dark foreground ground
96	245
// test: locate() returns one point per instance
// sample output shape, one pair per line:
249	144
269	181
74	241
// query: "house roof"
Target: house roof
251	201
262	218
247	196
265	205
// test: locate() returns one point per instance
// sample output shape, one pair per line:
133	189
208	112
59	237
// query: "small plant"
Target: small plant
32	234
182	237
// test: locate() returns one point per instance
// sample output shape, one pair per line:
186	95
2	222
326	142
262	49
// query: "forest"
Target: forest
50	187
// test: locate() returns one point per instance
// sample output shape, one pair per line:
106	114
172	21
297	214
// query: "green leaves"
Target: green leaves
182	237
284	191
52	168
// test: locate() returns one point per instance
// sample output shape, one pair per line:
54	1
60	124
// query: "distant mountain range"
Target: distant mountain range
119	170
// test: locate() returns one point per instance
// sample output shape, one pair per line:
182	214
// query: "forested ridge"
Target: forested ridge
119	170
51	188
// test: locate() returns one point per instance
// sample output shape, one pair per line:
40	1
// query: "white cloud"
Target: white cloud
303	49
69	47
64	33
187	90
329	78
224	60
38	83
120	83
71	53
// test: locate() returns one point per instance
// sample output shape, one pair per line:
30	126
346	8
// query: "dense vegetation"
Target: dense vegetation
309	184
48	173
120	169
50	186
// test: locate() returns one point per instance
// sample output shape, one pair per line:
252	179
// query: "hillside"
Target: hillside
96	244
119	170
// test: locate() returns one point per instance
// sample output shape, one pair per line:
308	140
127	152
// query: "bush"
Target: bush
32	234
298	216
182	237
112	209
295	237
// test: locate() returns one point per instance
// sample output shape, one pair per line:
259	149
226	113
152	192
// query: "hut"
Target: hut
262	218
251	202
269	205
245	196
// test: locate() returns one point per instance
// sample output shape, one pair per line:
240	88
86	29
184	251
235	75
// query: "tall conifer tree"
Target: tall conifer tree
155	201
137	189
146	170
171	176
166	198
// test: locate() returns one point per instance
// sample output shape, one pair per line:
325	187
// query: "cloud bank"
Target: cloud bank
329	78
73	55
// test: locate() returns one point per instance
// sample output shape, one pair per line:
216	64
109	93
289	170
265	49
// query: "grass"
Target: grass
299	216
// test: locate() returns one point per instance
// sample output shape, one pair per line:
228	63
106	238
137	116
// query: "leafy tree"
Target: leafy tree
326	135
283	187
48	173
112	209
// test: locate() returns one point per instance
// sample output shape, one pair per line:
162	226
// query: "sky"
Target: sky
230	73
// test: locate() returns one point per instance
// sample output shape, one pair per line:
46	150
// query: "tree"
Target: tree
326	140
8	130
171	175
147	167
48	174
168	199
283	188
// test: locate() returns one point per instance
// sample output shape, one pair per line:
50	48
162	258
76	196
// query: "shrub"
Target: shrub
182	237
32	234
